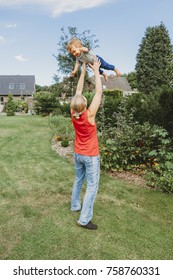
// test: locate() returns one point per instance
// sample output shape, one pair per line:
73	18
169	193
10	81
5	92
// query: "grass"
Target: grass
35	218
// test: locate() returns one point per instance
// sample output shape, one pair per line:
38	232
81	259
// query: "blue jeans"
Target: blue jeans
86	167
105	65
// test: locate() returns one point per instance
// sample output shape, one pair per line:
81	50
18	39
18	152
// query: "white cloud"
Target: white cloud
55	7
21	58
2	40
11	25
74	5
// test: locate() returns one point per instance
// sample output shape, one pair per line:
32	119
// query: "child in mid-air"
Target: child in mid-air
82	54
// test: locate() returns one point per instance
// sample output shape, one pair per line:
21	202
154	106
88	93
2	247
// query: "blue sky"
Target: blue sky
30	31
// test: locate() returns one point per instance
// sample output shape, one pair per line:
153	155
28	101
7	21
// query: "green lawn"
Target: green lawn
35	217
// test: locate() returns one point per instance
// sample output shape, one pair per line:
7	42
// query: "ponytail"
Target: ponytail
77	115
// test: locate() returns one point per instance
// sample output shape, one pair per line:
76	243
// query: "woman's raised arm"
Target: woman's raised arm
94	106
80	83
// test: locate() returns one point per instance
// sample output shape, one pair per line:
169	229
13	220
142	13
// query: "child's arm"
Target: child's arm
76	67
84	49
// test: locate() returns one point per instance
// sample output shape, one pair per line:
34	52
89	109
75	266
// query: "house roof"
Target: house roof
115	82
17	84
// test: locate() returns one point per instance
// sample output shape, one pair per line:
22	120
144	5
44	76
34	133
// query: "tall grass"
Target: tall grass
35	217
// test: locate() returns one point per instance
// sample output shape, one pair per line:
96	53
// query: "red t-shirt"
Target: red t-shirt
86	140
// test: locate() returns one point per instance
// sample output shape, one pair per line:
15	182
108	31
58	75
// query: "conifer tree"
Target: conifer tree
154	67
10	106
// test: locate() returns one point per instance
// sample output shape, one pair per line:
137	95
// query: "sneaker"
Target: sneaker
76	210
90	226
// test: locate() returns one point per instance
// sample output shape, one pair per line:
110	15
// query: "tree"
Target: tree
45	102
41	88
131	77
166	109
10	106
154	67
65	60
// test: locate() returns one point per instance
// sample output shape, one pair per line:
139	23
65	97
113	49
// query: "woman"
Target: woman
86	149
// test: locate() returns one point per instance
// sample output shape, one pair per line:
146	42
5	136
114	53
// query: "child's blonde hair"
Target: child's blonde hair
78	105
74	42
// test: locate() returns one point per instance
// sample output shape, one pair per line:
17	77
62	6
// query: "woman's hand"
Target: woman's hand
96	65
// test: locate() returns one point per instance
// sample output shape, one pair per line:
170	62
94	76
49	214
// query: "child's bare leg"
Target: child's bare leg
117	72
105	76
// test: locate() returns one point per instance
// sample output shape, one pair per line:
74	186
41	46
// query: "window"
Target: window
22	86
11	86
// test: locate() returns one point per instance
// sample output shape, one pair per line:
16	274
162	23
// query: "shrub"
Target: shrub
61	127
166	109
62	109
89	96
155	108
45	102
116	93
145	107
10	106
161	175
65	143
21	105
142	148
128	147
110	105
163	180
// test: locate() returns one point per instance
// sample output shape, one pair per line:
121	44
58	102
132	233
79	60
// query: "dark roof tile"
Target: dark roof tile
17	81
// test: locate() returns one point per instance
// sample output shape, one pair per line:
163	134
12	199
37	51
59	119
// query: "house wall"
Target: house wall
3	99
28	99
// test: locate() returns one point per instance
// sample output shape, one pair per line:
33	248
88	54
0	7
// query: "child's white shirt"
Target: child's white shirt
86	57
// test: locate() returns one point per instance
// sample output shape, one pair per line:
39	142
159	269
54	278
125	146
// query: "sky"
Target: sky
30	31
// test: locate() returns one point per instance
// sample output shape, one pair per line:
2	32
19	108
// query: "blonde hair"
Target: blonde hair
78	105
74	42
